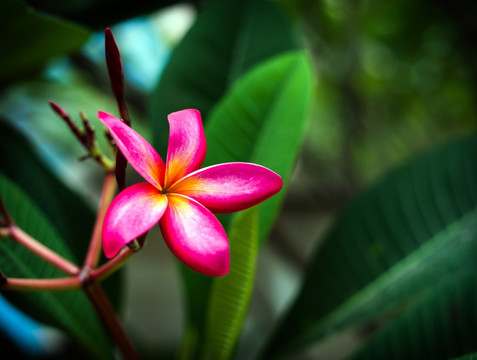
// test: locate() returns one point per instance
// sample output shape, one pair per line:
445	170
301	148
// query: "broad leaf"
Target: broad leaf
59	204
472	356
230	295
441	326
261	120
69	310
29	39
99	14
64	209
228	38
414	229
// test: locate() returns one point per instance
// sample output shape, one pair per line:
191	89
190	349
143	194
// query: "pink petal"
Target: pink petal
134	211
195	236
230	187
187	146
140	154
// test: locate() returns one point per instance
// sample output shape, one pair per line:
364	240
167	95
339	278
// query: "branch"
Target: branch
109	189
106	312
42	251
40	284
86	137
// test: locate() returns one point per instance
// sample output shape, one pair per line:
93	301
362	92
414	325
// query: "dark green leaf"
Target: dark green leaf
230	295
472	356
441	326
99	14
61	206
70	310
413	230
261	120
228	38
66	210
29	39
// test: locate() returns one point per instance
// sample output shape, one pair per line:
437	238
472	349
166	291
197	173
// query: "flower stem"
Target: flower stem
7	220
40	284
109	189
106	312
117	262
112	265
42	251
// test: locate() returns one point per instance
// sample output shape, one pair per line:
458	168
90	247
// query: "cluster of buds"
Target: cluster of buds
86	137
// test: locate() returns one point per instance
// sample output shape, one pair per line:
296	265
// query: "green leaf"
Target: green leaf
472	356
411	231
261	120
68	310
441	326
60	205
230	295
29	39
72	218
228	38
99	14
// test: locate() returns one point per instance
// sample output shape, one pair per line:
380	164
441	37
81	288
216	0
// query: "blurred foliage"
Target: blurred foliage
59	308
98	14
31	39
391	80
405	240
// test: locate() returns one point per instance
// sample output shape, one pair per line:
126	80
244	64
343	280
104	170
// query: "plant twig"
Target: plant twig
42	251
7	219
114	327
40	284
86	137
94	251
112	265
118	261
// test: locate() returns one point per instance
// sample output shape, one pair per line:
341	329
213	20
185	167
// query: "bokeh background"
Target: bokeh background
391	80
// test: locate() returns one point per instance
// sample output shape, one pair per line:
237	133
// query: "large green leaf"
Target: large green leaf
230	295
261	120
69	310
442	326
66	210
411	231
228	38
472	356
60	205
99	14
28	39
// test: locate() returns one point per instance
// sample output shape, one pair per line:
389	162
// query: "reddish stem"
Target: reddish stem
94	251
42	251
106	312
101	273
7	220
41	284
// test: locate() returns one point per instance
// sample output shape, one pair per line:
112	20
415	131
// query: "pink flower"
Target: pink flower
179	196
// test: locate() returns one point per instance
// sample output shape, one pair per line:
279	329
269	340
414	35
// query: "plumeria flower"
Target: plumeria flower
179	196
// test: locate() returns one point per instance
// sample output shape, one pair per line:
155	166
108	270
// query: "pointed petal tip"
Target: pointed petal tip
187	145
191	112
230	187
110	249
138	152
215	269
